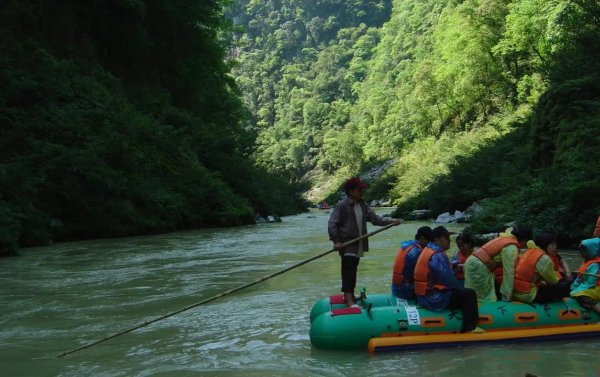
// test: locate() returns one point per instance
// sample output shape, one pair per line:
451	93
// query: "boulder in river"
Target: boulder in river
419	214
267	219
445	218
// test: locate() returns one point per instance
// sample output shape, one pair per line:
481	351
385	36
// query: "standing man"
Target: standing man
347	222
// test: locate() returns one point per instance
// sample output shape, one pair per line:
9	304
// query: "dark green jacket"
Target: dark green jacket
342	226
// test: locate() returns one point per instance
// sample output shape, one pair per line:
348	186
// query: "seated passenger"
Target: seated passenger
403	285
586	287
436	286
500	252
560	265
535	278
464	242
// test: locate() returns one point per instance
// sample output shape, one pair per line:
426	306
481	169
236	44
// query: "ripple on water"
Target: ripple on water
220	344
294	336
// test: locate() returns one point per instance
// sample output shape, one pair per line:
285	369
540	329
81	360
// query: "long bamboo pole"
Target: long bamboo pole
588	274
223	294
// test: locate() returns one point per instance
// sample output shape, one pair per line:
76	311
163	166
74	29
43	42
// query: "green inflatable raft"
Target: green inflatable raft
384	323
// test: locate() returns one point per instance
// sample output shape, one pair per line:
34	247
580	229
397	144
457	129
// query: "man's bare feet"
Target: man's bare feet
349	299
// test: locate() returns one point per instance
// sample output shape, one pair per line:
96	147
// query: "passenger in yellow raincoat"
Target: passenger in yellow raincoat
503	251
536	279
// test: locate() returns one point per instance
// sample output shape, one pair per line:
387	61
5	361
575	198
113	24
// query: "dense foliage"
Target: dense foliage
299	62
120	117
474	100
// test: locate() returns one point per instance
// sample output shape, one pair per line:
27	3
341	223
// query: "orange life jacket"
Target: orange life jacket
584	266
488	251
460	274
422	273
525	270
556	264
597	230
400	262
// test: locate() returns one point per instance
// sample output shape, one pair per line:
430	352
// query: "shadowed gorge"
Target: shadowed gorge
121	118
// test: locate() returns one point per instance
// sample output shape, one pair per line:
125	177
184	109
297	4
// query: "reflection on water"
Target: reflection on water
58	298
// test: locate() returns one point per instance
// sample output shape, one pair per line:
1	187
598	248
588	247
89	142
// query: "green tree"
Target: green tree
120	118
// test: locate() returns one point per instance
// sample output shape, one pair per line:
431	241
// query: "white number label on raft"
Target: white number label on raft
412	313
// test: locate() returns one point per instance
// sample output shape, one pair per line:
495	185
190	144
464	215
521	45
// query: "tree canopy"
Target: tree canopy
120	118
473	100
124	117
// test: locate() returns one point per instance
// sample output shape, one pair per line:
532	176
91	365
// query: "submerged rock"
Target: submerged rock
267	219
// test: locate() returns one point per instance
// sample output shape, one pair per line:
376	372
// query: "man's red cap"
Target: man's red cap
354	183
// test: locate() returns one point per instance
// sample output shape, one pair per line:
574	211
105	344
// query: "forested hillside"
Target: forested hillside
119	118
493	101
299	62
122	117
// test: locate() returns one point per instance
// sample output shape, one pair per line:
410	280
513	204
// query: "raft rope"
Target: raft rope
259	280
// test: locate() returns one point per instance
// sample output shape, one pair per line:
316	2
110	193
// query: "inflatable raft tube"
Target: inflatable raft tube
334	326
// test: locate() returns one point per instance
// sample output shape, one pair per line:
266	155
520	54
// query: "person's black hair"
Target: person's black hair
424	231
465	238
544	239
440	231
522	232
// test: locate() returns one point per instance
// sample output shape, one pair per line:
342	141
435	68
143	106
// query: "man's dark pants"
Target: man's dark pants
349	268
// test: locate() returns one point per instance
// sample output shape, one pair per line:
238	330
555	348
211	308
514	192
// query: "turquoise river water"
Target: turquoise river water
58	298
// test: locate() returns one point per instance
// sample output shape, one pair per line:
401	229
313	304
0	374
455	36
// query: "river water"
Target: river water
55	299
